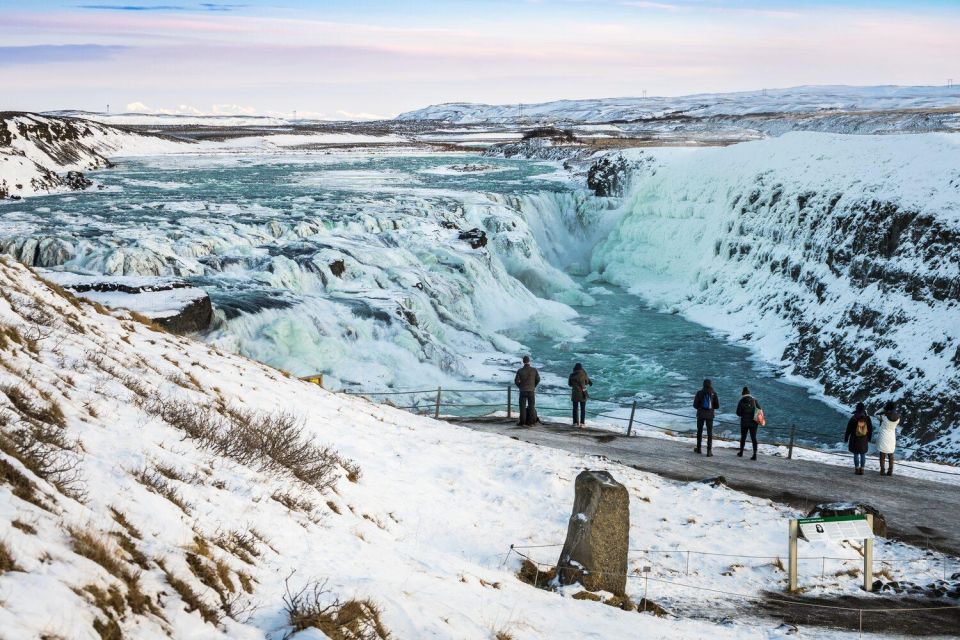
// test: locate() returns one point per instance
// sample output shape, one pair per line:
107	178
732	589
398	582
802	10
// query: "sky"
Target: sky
350	59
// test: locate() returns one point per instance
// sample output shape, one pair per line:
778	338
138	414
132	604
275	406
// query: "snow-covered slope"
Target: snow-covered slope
139	498
36	151
838	255
796	100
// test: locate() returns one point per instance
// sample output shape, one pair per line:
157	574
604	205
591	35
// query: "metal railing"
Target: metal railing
465	403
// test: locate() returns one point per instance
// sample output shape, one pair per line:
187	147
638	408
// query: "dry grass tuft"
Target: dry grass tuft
334	507
49	412
314	607
156	483
98	549
649	606
292	502
502	635
121	519
534	575
7	562
190	597
23	526
242	545
147	322
21	486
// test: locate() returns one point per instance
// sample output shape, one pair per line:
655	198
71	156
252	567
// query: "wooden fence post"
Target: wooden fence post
509	402
793	433
436	412
633	410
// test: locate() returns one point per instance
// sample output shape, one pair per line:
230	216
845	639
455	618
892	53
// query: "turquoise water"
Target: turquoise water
632	352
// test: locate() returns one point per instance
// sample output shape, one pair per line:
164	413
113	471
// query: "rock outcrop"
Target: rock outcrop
175	305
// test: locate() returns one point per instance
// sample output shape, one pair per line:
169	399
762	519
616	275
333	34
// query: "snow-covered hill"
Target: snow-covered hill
796	101
837	255
153	487
37	152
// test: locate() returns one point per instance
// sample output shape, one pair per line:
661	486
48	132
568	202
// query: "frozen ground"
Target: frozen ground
132	499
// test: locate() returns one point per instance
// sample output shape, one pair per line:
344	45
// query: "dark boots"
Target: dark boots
884	469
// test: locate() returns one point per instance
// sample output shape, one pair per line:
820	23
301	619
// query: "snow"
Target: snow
424	532
156	298
796	100
719	236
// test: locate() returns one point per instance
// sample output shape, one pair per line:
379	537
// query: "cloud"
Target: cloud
203	6
641	4
50	53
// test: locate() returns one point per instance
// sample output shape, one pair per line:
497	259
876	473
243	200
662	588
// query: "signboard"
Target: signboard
835	528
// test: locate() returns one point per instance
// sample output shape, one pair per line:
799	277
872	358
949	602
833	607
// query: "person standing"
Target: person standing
706	403
527	379
747	410
887	436
578	381
858	436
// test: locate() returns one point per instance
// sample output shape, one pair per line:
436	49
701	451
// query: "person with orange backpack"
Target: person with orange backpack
751	416
858	436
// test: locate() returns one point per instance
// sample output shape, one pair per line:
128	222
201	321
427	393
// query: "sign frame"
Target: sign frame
795	534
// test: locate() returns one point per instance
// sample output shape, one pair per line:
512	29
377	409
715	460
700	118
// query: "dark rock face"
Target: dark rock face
194	318
832	509
337	268
77	181
610	176
598	535
476	237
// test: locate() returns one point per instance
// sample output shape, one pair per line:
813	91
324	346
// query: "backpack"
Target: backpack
758	416
861	427
707	401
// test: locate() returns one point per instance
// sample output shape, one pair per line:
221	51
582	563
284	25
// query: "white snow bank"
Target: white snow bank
424	532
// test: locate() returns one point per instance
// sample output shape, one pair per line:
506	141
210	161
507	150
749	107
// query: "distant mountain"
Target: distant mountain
795	100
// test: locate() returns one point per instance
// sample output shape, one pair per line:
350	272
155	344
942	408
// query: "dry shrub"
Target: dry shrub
271	442
99	550
190	597
49	413
111	605
586	595
37	439
240	544
121	519
532	574
292	502
502	635
313	607
7	562
20	485
334	507
126	543
156	483
206	573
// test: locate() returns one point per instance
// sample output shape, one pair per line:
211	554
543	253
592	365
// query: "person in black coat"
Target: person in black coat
746	409
706	402
858	436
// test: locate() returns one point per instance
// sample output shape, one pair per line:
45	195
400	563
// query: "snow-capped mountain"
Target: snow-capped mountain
812	100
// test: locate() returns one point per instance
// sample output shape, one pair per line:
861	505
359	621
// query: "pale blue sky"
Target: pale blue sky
339	58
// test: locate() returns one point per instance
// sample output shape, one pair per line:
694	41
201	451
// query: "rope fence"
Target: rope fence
635	575
432	401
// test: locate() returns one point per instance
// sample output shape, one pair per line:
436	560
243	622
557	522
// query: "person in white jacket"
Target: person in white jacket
887	436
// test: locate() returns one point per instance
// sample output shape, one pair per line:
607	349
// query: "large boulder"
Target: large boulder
598	535
831	509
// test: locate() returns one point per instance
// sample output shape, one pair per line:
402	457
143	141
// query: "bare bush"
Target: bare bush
314	607
271	442
156	483
7	562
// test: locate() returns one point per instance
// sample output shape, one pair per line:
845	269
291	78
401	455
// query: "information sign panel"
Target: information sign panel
835	528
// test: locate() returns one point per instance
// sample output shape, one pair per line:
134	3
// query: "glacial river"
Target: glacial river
258	231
